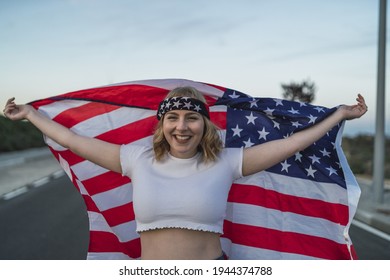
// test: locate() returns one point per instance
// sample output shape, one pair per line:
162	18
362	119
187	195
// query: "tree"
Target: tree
304	91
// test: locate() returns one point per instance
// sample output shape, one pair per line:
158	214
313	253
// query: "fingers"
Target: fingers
361	103
12	99
360	99
9	106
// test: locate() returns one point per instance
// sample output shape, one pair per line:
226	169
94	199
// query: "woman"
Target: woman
186	150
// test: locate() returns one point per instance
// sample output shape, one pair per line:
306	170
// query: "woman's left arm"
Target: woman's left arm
263	156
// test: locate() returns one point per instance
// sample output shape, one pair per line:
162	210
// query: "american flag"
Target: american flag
301	208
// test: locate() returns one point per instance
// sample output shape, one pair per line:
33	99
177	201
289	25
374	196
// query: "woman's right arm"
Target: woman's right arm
97	151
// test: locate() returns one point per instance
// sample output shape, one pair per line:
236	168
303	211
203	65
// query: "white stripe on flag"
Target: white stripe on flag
251	215
54	109
83	190
218	108
296	187
170	84
113	198
86	170
103	123
97	222
126	231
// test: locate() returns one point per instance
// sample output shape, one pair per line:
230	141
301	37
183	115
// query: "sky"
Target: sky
50	47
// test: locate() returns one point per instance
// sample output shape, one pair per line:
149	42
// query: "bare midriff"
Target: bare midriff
180	244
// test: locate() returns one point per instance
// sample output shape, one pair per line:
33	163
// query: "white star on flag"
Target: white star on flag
314	159
251	118
269	111
298	157
325	153
331	170
276	125
312	119
263	134
293	111
248	143
310	171
237	131
319	109
296	124
279	102
285	166
302	104
234	95
253	103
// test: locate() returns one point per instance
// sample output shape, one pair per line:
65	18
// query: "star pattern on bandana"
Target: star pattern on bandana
182	103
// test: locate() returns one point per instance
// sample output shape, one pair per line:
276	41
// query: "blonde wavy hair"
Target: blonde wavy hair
210	145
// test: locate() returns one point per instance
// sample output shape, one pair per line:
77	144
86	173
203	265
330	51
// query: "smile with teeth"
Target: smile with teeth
182	137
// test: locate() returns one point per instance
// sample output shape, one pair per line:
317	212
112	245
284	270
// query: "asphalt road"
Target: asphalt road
47	223
50	223
369	246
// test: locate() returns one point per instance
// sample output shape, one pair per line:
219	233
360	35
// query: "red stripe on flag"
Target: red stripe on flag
119	215
104	182
126	95
90	204
76	115
210	101
130	132
248	194
288	242
107	242
42	102
219	119
70	157
133	95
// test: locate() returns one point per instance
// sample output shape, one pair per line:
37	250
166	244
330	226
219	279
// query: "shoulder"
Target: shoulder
132	155
135	150
232	158
231	153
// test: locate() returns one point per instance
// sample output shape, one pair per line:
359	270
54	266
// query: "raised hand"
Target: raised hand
355	111
14	111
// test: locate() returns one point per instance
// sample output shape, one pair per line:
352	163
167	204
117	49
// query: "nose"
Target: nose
181	124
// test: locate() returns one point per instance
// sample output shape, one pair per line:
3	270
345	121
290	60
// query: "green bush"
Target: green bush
359	151
18	135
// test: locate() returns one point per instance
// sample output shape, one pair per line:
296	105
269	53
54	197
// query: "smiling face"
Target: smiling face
183	130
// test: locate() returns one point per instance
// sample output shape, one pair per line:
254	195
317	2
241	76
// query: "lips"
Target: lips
182	138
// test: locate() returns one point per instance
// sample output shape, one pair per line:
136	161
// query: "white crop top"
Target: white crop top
180	193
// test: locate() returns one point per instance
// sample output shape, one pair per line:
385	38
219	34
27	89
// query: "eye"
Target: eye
170	117
193	118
